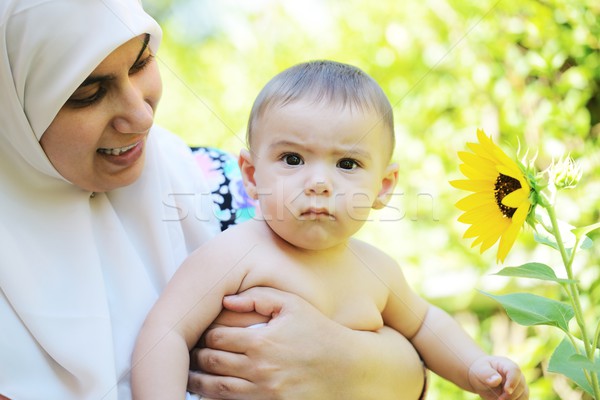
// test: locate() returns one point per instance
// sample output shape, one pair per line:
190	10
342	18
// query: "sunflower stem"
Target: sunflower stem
573	294
596	337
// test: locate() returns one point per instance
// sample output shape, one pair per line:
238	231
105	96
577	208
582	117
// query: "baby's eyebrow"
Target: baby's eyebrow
353	150
284	143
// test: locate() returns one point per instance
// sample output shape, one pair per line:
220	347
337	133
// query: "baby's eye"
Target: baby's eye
292	159
347	163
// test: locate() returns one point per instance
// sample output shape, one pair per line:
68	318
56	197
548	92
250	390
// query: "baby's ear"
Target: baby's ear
388	182
247	167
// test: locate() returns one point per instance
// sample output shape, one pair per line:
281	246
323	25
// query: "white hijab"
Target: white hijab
78	273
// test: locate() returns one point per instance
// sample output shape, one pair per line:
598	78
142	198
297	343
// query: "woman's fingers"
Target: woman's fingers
263	300
218	362
229	339
218	387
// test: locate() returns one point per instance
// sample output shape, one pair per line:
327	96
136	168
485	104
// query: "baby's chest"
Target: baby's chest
359	311
353	298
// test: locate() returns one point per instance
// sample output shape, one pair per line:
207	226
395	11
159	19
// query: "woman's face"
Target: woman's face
97	140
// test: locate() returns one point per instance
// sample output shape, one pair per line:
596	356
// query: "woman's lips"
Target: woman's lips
123	156
118	150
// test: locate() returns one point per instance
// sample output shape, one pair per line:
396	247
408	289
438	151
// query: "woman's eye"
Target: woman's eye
292	159
141	64
87	95
347	163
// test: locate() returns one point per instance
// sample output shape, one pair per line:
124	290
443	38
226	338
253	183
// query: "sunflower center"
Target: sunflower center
504	186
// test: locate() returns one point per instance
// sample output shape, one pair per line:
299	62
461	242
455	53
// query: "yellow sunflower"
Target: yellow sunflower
499	204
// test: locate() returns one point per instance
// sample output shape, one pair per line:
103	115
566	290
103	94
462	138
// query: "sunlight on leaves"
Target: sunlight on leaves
561	362
528	309
533	270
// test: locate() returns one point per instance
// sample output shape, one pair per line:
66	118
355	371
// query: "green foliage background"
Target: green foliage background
526	71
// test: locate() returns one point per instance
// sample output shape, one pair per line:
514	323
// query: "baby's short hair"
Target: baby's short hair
323	80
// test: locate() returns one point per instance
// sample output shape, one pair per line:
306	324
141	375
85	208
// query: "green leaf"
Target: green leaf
535	271
586	243
583	362
529	309
569	234
560	362
545	238
584	230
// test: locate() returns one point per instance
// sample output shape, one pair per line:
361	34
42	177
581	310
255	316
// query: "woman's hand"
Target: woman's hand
302	354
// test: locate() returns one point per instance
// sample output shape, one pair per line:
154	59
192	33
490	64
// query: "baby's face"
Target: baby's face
319	169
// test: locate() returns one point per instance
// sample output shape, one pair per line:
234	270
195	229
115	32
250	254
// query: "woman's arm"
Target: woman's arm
301	354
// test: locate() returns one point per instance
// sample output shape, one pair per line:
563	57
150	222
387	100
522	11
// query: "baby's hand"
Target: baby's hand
498	378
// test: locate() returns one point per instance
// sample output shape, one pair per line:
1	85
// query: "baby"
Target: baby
320	141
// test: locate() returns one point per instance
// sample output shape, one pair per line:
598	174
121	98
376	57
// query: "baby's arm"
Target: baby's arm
451	353
189	303
445	347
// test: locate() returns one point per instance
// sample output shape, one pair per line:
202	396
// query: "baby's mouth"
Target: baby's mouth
314	213
117	151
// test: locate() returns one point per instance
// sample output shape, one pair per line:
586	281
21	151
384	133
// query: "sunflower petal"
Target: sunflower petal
508	238
486	223
505	160
478	162
496	229
516	198
513	172
482	152
488	146
498	154
475	200
478	215
524	183
472	172
473	185
474	231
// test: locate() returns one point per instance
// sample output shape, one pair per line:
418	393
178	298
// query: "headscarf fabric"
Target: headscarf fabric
79	271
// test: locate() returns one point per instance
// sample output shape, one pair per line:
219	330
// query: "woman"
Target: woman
99	207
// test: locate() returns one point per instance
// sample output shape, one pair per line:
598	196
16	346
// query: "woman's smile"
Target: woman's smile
117	151
123	156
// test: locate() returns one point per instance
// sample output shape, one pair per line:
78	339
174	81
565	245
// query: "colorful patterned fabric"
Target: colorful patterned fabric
224	179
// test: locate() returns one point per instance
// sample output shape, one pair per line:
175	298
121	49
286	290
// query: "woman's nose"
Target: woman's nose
135	114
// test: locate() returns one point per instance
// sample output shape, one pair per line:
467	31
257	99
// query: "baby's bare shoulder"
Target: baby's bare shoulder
372	252
234	243
377	260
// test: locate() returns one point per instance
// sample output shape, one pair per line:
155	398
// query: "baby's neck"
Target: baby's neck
309	249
